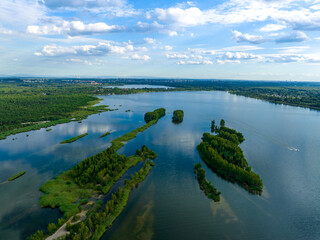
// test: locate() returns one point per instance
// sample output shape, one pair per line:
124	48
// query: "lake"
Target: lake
282	146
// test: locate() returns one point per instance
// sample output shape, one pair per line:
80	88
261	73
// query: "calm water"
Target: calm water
282	145
139	86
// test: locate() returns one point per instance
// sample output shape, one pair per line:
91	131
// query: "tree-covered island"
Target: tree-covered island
210	191
223	155
177	116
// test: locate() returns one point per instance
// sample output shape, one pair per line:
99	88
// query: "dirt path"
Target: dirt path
62	231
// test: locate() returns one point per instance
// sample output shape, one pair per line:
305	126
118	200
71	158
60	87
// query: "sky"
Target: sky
222	39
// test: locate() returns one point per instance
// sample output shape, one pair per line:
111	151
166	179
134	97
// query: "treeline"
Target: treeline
155	115
210	191
225	157
177	116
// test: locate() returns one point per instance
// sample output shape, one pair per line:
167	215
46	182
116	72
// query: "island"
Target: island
177	116
78	192
16	176
221	152
210	191
156	114
70	140
105	134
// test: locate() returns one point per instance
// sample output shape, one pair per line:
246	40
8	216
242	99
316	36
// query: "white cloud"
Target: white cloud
245	37
21	12
272	28
100	49
5	31
293	37
177	16
287	12
228	61
86	62
168	48
139	57
239	55
294	49
73	28
183	56
241	48
194	62
201	51
149	40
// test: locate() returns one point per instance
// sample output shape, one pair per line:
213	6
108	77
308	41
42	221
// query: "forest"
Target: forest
209	190
177	116
155	115
223	155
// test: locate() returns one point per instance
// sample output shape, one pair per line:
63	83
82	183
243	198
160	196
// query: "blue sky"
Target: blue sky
233	39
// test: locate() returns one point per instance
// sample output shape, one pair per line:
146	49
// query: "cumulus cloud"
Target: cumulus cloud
293	37
177	16
100	49
300	17
73	28
201	51
183	56
228	61
272	27
139	57
239	55
245	37
194	62
150	40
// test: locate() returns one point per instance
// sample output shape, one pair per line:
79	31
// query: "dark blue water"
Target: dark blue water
282	145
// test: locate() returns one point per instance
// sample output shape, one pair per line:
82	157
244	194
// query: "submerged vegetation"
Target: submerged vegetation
177	116
223	155
16	176
206	186
70	140
89	179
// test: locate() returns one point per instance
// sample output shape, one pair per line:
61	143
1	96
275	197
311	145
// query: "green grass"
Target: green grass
16	176
105	134
119	142
49	129
63	193
70	140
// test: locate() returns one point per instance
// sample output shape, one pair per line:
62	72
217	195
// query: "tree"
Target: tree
51	228
222	123
213	125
